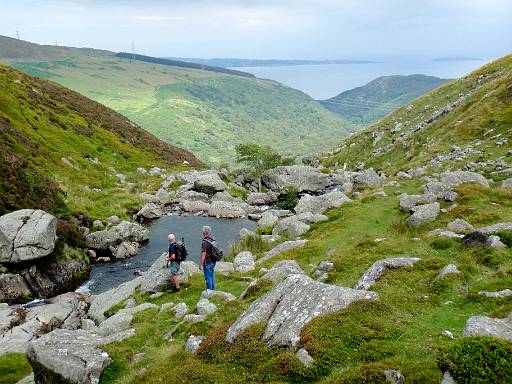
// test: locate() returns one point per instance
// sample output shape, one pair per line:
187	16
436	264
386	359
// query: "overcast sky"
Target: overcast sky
313	29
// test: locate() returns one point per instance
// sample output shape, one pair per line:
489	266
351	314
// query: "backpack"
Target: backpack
216	253
181	251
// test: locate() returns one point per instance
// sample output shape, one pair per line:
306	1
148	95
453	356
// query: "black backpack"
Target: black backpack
216	252
181	251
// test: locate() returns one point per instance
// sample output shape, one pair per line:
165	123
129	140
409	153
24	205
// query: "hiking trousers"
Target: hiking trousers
209	275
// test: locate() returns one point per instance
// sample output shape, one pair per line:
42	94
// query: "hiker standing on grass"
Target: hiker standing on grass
207	261
175	264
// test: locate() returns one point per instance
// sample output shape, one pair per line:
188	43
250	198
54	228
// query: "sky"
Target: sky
260	29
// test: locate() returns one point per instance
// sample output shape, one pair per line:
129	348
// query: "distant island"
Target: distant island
233	62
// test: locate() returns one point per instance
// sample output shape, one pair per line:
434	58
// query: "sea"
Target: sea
327	80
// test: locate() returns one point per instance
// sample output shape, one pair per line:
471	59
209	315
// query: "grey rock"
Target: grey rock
150	211
106	300
449	234
209	183
158	278
166	307
113	220
124	250
506	183
244	262
374	273
192	196
488	326
491	229
156	295
447	333
424	214
297	229
193	343
224	267
368	178
257	198
449	269
72	356
394	377
460	177
138	308
268	219
132	232
450	196
114	324
347	187
27	234
194	206
437	189
447	379
408	202
304	178
180	310
283	247
191	318
380	193
226	209
417	172
460	226
495	242
326	266
289	306
205	307
404	175
499	294
321	204
27	379
97	224
282	270
125	231
130	303
304	357
223	196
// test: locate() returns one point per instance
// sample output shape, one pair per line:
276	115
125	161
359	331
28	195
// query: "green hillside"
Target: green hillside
206	112
366	104
60	152
464	120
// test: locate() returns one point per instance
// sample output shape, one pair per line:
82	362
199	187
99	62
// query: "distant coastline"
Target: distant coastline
239	63
457	58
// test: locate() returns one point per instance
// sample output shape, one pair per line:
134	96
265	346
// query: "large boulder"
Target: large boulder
193	196
408	202
288	307
244	262
283	247
460	226
488	326
226	209
424	214
460	177
374	273
71	357
322	203
106	300
281	270
150	211
64	311
125	231
27	234
268	218
437	189
302	177
209	183
259	198
193	343
194	206
368	178
498	227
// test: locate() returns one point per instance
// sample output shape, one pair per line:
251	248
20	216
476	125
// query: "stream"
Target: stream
105	276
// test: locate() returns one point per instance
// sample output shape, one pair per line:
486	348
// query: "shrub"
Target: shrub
505	237
251	243
442	243
477	360
289	198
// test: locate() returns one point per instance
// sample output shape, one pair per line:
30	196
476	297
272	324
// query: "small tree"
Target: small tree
259	159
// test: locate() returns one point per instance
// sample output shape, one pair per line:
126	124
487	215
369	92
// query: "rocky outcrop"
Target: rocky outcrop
73	357
368	178
193	343
450	269
321	204
289	306
226	209
374	273
106	300
244	262
194	206
42	281
287	245
424	214
209	183
281	270
150	211
158	278
27	234
488	326
64	311
258	198
304	178
268	218
460	177
498	227
125	231
460	226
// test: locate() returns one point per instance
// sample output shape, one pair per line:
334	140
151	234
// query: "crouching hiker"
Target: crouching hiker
210	254
175	262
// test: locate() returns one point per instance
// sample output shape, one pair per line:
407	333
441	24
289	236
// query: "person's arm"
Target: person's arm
203	258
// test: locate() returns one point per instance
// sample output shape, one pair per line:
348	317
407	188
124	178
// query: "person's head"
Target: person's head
207	231
171	238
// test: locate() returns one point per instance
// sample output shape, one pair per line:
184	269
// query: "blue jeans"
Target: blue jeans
209	275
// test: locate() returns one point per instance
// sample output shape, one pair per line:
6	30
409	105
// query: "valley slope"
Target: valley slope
365	105
206	112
